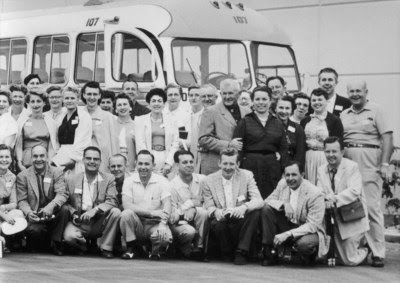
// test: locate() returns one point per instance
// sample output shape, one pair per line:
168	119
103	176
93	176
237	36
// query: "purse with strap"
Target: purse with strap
352	211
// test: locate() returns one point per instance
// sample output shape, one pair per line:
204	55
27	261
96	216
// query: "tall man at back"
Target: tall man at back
130	87
217	126
369	142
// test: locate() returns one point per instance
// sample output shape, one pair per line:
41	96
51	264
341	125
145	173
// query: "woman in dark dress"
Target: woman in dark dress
263	136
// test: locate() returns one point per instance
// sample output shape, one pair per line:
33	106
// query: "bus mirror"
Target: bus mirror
305	82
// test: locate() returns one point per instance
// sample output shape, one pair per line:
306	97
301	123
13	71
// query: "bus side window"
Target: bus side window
90	58
131	57
51	59
11	71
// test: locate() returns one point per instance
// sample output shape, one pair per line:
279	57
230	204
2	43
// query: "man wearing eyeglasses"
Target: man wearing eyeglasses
93	206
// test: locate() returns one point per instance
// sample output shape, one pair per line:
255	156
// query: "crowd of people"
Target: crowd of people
265	171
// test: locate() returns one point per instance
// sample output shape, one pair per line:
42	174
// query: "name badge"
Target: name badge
78	191
74	122
291	129
339	107
47	180
28	124
98	123
241	198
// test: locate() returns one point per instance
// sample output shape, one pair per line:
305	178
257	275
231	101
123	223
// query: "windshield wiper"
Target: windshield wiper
191	71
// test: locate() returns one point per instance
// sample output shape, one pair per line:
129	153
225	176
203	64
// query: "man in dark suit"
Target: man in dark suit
233	201
41	196
93	206
327	80
130	87
217	125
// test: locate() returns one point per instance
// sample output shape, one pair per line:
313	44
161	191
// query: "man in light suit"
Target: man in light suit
341	183
217	125
233	202
93	206
293	215
41	195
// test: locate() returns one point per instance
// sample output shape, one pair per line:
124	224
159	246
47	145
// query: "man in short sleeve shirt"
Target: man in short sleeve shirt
369	142
146	198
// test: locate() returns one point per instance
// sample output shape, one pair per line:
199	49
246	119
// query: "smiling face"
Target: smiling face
228	165
208	96
92	160
357	92
302	106
39	158
277	89
131	89
293	177
17	98
36	103
186	164
156	104
92	96
107	104
261	102
117	167
122	107
144	165
283	110
318	103
229	94
70	100
33	83
333	154
4	104
5	159
55	99
328	82
173	98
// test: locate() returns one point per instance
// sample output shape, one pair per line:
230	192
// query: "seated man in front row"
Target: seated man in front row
93	206
189	220
293	215
146	198
233	202
41	195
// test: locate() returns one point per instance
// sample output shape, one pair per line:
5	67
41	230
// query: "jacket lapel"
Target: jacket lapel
226	115
300	201
339	176
33	182
220	191
47	180
147	131
236	185
77	193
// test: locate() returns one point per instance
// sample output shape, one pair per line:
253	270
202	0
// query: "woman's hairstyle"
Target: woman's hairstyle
71	89
320	92
36	92
123	96
30	77
92	84
288	99
156	91
20	88
7	95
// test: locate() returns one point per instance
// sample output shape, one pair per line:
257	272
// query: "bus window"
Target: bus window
130	57
209	61
90	58
11	71
51	59
272	60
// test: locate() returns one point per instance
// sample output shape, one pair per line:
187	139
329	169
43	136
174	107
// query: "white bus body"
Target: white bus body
155	42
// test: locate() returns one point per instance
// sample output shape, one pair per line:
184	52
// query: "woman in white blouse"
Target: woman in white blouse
8	126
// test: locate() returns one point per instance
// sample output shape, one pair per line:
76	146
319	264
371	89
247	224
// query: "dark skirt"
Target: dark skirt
266	169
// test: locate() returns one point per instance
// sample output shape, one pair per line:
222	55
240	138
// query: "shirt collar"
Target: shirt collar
98	178
365	108
333	98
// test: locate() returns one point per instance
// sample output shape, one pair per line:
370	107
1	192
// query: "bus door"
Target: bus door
131	54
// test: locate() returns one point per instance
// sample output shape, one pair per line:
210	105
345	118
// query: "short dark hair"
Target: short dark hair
20	88
333	139
261	88
294	162
320	92
288	99
181	152
36	92
229	151
276	78
145	152
7	95
53	88
30	77
92	84
123	95
193	87
130	79
91	148
108	94
156	91
328	70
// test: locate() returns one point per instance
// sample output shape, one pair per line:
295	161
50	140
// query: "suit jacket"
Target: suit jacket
309	213
216	130
348	188
139	110
341	103
28	190
106	197
144	138
244	187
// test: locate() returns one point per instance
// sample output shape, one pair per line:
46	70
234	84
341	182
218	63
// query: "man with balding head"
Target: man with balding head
208	95
217	125
369	142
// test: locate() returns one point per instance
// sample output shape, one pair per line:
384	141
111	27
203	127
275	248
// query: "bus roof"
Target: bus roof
187	19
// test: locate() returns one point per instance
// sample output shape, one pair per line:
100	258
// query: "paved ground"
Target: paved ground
48	268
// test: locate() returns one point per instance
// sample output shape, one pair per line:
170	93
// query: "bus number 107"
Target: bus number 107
91	22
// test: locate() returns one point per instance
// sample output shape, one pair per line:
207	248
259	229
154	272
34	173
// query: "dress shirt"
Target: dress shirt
186	193
88	194
235	111
227	184
331	104
294	196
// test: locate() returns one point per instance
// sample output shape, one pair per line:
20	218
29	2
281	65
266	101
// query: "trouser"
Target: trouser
197	231
368	160
351	251
133	228
104	227
38	233
236	233
275	222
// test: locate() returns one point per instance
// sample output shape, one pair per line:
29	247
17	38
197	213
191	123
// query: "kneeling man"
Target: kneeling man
293	215
188	218
93	206
146	198
233	201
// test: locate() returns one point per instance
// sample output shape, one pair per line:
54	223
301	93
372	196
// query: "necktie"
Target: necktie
332	173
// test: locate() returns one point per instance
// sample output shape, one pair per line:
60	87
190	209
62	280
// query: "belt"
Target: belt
361	145
158	147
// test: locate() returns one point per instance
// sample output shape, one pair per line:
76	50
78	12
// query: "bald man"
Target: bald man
217	125
369	142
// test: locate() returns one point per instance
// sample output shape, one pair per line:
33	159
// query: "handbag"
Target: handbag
352	211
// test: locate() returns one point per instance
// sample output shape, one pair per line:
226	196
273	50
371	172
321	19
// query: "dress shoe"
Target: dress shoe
128	255
58	249
240	258
107	254
377	262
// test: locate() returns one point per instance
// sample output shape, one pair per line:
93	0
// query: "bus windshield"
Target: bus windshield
210	61
274	60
